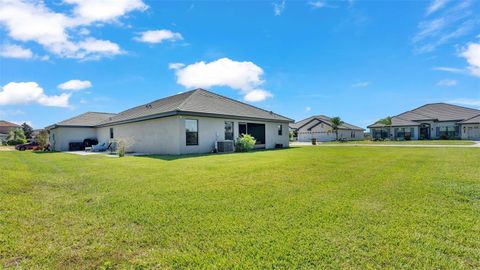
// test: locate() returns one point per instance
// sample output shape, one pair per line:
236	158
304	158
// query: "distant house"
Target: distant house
431	121
319	127
190	122
5	127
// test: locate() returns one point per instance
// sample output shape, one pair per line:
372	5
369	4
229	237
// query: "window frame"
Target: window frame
112	134
232	123
186	133
280	130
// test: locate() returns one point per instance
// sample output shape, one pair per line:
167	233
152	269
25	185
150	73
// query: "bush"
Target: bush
42	139
245	143
16	136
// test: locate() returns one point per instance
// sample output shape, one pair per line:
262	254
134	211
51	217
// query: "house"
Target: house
190	122
5	127
431	121
319	127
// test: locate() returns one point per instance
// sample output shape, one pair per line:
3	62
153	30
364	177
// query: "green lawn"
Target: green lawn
298	208
419	142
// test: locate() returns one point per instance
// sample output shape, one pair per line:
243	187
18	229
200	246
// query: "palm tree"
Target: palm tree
336	122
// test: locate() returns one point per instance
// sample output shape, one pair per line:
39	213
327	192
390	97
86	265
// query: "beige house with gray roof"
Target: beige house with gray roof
431	121
190	122
319	127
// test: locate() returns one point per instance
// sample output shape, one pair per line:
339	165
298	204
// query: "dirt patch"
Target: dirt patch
7	148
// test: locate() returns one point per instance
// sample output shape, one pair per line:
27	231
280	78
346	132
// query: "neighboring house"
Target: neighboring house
190	122
5	127
319	127
431	121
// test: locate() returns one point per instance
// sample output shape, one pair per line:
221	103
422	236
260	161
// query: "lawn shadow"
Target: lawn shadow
185	156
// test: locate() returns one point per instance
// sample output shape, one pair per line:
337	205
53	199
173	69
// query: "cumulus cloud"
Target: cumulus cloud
15	51
472	54
29	21
75	85
158	36
360	84
88	11
447	82
243	76
307	109
278	7
19	93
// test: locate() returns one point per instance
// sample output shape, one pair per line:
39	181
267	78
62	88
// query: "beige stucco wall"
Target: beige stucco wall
60	137
211	130
324	133
470	131
167	135
150	136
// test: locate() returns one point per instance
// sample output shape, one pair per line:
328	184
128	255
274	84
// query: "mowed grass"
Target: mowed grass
298	208
417	142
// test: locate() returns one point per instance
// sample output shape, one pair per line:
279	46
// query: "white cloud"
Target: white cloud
466	101
75	85
244	76
317	4
278	7
307	109
450	69
15	51
175	66
455	22
30	92
447	82
472	54
88	11
58	33
257	95
158	36
436	5
361	84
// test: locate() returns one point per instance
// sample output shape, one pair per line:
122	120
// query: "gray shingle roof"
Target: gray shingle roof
199	102
315	120
396	121
88	119
439	112
195	102
473	120
432	112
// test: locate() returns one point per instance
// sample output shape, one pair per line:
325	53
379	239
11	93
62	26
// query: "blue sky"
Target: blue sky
360	60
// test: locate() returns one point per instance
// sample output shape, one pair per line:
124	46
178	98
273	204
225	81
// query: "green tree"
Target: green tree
386	121
16	136
27	130
42	139
336	122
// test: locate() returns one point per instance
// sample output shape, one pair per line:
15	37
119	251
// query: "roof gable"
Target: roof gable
316	120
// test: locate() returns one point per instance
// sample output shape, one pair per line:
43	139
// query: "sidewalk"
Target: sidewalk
476	145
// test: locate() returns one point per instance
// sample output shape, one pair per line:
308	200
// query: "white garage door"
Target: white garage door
473	133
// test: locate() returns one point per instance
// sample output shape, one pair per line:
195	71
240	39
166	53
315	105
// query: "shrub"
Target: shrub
245	143
16	136
42	139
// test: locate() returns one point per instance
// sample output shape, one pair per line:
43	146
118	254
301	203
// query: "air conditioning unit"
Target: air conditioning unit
225	147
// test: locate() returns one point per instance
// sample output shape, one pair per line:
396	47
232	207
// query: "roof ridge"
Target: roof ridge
192	92
237	101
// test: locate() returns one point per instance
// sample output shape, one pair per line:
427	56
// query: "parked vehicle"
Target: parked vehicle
27	146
